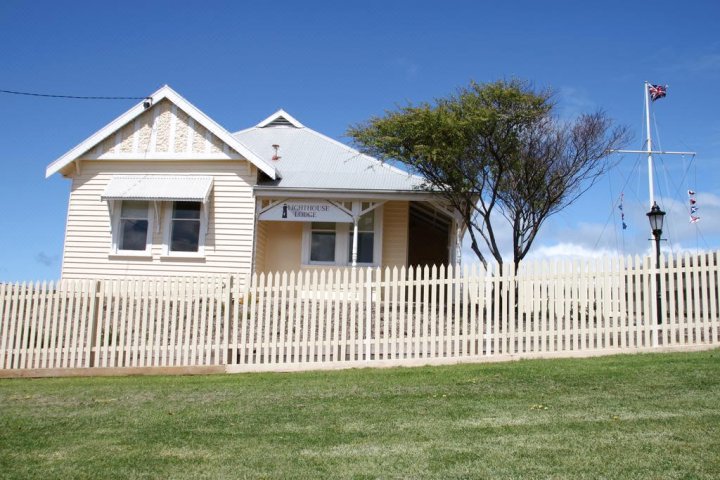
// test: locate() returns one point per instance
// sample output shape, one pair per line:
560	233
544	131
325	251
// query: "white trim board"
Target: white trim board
162	156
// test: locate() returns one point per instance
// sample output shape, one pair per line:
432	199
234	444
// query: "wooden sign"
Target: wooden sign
305	211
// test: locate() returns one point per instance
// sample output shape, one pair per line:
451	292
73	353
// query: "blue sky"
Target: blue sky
333	64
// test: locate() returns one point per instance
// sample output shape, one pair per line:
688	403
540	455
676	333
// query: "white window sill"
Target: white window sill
322	264
130	255
180	256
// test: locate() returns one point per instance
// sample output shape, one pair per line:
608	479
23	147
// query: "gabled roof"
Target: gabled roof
164	92
309	160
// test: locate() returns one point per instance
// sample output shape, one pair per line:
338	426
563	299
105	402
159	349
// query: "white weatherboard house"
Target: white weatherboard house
164	190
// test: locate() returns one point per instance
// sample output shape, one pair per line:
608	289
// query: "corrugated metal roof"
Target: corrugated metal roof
158	187
308	159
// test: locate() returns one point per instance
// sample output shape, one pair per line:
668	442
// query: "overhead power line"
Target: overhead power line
74	97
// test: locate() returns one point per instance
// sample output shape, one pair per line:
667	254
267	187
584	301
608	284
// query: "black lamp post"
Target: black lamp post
656	223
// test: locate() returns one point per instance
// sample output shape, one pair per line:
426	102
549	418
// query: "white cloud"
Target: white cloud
561	238
574	101
569	250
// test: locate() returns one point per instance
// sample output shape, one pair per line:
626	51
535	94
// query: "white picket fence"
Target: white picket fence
354	317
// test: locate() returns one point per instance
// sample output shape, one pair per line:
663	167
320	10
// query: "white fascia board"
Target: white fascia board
280	113
163	93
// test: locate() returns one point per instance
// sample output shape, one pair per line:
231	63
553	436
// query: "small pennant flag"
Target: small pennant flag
693	206
622	213
657	91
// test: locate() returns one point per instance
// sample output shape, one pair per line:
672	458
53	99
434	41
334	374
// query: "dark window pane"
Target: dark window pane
185	236
322	247
187	210
365	247
133	234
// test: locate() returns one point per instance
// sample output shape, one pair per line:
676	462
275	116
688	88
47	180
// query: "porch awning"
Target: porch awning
159	188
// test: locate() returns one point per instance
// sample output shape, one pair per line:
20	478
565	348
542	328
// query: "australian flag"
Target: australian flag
657	91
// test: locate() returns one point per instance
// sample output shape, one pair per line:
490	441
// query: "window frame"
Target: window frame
116	233
168	226
338	235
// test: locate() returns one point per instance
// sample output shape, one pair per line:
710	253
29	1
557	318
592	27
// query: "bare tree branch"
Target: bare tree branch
497	146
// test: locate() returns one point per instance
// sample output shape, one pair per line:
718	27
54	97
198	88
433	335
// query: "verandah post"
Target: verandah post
356	219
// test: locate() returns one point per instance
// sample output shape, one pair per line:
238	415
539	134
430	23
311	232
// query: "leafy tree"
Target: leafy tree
496	151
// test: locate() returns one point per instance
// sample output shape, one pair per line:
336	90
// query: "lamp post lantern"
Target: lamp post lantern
655	215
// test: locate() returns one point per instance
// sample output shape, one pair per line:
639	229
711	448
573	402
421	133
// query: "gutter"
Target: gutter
274	192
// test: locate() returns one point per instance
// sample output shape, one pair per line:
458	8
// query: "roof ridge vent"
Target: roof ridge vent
279	121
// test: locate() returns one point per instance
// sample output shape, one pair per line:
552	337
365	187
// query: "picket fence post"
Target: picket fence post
92	341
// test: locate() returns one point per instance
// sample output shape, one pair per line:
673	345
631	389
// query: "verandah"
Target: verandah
354	317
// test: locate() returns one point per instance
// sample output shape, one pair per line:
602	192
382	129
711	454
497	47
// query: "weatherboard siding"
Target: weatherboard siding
395	234
283	246
228	244
260	246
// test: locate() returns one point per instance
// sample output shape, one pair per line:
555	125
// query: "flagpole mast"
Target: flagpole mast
659	91
651	187
653	208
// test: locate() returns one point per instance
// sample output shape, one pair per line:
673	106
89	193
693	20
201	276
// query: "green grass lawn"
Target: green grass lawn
639	416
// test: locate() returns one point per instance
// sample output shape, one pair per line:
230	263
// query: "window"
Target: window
185	227
322	242
366	239
132	234
330	243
